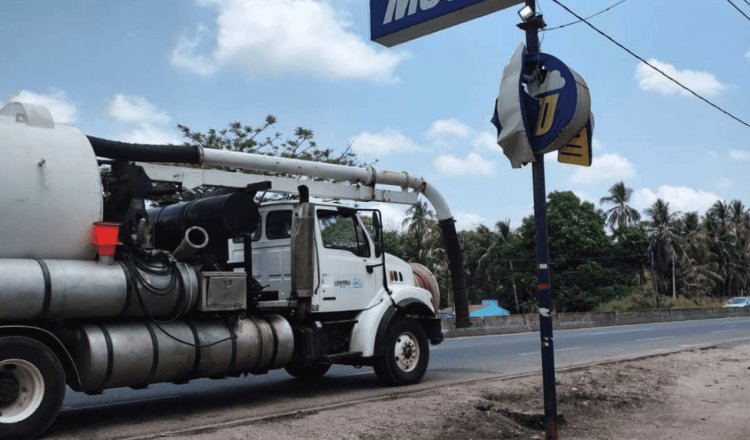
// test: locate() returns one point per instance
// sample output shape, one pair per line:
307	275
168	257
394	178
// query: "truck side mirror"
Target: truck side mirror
377	227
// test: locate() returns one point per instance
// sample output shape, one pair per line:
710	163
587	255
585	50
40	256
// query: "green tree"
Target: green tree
728	228
582	270
621	214
423	244
701	273
261	139
420	225
665	242
257	139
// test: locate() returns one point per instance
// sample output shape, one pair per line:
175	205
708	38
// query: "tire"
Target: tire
32	387
406	356
309	372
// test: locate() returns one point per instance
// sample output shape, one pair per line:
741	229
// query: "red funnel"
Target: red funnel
105	237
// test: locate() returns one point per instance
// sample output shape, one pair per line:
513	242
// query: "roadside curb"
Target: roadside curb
563	321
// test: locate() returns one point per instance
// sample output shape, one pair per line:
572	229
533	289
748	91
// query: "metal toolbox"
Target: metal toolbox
223	291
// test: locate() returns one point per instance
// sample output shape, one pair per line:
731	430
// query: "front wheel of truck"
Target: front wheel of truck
406	356
32	387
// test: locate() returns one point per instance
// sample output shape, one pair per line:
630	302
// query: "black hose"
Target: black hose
456	266
145	152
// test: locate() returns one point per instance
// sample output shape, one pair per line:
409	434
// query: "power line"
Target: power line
738	9
641	59
590	16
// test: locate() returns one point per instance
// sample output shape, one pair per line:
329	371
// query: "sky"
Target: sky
133	70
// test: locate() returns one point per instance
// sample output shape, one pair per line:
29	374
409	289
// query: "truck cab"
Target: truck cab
354	285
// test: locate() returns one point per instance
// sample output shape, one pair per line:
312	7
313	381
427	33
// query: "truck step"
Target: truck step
342	356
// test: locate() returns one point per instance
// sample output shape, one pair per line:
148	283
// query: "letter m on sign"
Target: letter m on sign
396	21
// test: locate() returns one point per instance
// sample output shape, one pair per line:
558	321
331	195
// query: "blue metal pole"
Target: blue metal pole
544	290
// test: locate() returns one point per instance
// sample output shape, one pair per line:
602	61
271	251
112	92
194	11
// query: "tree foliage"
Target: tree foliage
260	139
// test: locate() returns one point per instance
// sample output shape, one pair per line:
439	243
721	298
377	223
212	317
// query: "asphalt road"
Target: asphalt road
126	413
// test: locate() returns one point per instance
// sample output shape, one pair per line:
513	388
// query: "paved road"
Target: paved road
125	413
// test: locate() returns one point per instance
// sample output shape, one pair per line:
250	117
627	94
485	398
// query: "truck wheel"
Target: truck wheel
406	353
32	387
307	372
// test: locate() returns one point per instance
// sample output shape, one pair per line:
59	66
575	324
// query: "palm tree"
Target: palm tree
501	234
494	254
701	272
729	229
621	214
665	242
420	227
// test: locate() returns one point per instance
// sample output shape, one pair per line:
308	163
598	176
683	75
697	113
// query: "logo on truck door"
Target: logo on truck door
355	283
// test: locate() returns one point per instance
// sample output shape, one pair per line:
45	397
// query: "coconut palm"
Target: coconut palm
664	239
420	230
701	274
729	229
621	214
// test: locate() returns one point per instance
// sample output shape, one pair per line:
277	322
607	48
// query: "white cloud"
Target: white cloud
443	128
704	83
277	37
148	134
467	221
383	143
747	54
739	154
486	141
63	110
680	198
184	54
609	167
473	164
126	108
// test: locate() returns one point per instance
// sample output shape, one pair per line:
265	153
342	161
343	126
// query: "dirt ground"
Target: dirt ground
692	395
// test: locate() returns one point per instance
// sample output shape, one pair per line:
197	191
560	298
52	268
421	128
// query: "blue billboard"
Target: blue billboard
396	21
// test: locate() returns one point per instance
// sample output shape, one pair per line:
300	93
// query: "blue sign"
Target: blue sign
542	115
396	21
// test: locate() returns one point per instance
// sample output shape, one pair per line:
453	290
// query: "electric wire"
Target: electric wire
738	9
641	59
590	16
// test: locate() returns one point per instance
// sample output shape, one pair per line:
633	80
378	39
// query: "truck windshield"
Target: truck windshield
343	231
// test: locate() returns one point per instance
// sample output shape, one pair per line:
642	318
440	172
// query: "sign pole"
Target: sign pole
544	290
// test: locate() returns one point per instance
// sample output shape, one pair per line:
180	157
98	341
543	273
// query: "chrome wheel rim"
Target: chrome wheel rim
407	352
29	390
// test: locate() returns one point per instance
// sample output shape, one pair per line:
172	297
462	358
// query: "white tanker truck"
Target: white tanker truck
101	288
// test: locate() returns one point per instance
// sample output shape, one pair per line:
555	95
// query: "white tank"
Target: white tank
50	188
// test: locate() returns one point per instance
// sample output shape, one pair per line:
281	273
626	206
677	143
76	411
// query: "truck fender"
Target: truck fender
53	343
368	335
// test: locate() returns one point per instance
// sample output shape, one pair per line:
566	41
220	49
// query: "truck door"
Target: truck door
344	252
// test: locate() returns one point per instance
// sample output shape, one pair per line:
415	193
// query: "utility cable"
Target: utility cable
641	59
590	16
738	9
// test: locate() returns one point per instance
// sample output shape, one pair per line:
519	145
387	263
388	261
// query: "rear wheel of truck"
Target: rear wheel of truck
307	372
32	387
406	356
